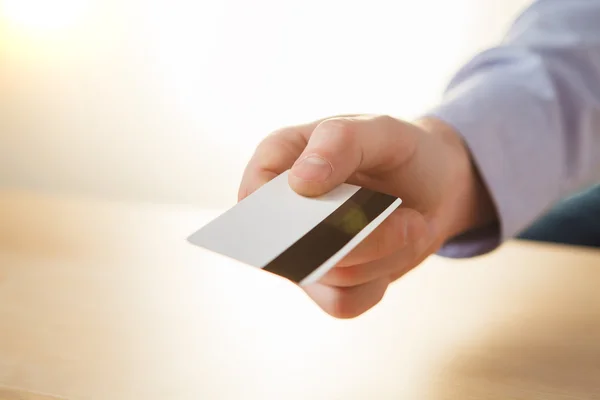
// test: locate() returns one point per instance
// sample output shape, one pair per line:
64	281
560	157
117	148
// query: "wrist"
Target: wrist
466	204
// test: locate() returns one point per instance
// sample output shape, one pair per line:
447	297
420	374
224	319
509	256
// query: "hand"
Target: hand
426	164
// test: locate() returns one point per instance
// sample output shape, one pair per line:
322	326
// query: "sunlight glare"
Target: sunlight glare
43	15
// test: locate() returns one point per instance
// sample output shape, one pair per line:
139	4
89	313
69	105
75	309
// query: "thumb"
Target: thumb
340	147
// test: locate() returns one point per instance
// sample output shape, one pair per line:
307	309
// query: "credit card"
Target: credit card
296	237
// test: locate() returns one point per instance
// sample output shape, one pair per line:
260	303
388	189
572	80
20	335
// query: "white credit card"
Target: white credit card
299	238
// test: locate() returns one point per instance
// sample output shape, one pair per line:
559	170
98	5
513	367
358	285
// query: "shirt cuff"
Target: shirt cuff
472	243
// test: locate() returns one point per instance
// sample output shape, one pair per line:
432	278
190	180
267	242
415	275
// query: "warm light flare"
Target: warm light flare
42	15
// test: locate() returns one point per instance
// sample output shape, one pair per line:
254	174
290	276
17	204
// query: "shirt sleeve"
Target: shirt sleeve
529	111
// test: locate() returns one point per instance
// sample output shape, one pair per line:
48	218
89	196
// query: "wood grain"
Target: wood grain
108	301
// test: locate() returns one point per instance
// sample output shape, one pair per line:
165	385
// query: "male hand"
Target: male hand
426	164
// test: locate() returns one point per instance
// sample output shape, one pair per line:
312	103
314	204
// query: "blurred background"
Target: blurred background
165	100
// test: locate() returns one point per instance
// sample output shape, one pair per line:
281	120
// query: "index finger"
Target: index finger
274	155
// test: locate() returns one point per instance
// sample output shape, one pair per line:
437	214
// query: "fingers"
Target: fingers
346	292
326	153
388	238
418	239
274	155
340	147
348	302
357	275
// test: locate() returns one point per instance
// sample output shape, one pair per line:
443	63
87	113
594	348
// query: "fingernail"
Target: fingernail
312	168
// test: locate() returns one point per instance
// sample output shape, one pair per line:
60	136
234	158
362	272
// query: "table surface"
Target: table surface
106	301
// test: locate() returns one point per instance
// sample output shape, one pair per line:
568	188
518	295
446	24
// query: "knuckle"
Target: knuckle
271	154
342	306
338	128
279	137
267	142
386	120
342	311
281	132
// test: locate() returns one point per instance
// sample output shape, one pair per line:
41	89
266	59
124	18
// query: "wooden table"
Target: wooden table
107	301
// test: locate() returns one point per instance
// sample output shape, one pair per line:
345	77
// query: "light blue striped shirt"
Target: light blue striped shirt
529	110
